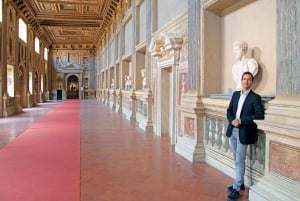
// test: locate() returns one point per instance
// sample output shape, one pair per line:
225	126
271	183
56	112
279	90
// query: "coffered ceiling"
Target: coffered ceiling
69	22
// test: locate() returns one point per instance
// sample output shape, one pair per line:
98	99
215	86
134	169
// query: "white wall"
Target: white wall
167	10
128	36
142	17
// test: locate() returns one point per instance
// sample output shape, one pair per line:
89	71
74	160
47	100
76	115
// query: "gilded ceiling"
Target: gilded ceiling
69	22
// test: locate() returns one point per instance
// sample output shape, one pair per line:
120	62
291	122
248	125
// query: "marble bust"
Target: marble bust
243	63
127	82
144	83
112	84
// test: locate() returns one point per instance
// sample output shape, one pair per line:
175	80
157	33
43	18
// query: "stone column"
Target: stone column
29	101
133	62
149	15
194	44
3	71
121	71
17	97
49	74
150	27
281	125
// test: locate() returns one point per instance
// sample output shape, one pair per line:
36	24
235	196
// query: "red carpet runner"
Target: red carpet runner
43	163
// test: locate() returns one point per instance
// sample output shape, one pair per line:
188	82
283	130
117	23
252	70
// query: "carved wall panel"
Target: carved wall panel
22	53
284	160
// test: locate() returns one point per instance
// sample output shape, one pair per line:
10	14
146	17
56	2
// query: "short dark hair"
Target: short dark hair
248	73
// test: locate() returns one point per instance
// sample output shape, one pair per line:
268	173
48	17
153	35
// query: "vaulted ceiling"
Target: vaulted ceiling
68	22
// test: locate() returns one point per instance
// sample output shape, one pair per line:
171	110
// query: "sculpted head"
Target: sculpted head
240	48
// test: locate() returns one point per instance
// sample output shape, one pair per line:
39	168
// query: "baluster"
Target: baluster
209	132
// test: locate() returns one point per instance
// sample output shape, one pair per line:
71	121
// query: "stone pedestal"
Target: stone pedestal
4	101
114	98
28	100
273	187
133	107
18	102
190	130
119	102
144	104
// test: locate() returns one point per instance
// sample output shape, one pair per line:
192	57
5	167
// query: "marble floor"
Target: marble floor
120	162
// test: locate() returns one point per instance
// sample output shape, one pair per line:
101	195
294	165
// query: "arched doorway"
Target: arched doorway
72	87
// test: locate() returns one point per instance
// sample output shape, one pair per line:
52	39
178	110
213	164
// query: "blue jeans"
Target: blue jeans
239	155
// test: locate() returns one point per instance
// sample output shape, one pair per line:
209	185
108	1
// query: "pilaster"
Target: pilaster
194	7
16	64
133	63
190	113
3	71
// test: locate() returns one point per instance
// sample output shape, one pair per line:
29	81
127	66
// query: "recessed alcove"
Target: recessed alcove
112	80
117	80
222	23
140	65
126	70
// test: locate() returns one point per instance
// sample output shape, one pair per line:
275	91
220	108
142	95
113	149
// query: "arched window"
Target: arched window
10	81
0	11
30	82
37	45
22	30
46	54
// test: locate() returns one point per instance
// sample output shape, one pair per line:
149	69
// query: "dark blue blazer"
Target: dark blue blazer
251	110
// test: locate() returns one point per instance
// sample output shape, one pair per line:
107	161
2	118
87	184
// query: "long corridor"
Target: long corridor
120	162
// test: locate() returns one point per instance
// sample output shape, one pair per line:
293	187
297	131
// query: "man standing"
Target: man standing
245	106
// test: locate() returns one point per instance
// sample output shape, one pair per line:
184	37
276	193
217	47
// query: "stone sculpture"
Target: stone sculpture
243	64
144	82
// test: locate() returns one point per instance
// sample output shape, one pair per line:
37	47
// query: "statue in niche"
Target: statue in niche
20	72
243	64
72	87
127	82
112	84
144	82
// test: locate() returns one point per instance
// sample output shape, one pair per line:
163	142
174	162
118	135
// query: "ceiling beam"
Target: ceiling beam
85	2
69	24
69	18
